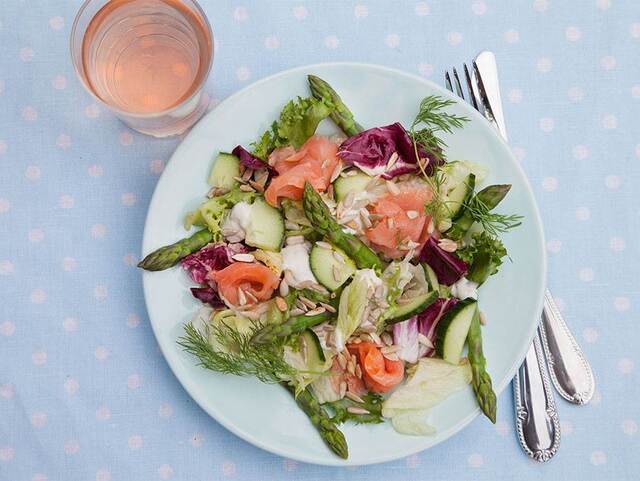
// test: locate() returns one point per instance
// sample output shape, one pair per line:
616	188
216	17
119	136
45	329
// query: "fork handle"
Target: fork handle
537	423
569	369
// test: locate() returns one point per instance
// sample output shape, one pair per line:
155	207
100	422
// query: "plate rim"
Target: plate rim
460	425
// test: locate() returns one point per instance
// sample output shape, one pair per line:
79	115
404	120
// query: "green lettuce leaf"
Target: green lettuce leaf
483	255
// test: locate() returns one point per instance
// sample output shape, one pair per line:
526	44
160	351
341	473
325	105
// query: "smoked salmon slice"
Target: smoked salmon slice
256	281
379	373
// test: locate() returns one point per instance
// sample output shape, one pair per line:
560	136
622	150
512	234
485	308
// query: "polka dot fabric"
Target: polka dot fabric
85	393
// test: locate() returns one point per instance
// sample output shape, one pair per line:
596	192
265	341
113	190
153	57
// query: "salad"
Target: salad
345	268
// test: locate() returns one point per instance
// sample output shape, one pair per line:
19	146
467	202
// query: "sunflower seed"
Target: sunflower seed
246	188
250	297
242	299
291	225
324	245
365	337
336	273
424	340
364	215
239	179
216	192
357	410
392	187
358	371
307	302
301	305
343	389
348	200
354	397
284	288
389	349
391	357
315	312
337	256
328	307
448	245
375	338
342	361
368	328
281	303
335	173
483	319
296	312
258	187
430	227
390	222
386	338
261	176
330	191
392	160
246	175
295	239
351	367
243	257
357	340
412	214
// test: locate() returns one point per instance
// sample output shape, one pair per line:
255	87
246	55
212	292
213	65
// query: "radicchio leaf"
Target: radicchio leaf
208	295
428	320
447	266
213	257
249	160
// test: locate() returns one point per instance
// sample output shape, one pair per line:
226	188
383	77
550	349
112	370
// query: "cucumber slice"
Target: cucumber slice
432	278
266	227
452	330
459	195
312	351
224	169
404	310
328	269
353	183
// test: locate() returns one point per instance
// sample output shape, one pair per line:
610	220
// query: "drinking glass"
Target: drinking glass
145	60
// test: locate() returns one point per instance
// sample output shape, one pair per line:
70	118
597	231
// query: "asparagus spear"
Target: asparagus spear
322	220
170	255
340	113
293	325
322	422
490	196
481	380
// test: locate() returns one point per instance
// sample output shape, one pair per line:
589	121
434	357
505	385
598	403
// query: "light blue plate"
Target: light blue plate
266	415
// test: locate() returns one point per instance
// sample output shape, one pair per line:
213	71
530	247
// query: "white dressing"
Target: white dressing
464	288
295	258
237	222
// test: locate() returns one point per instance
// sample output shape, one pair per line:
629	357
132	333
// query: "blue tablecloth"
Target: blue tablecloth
84	392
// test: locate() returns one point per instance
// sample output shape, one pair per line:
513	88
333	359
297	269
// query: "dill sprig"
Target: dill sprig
431	114
372	403
491	222
240	356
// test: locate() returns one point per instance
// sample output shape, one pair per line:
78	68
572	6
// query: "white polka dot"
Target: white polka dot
625	366
133	320
165	411
544	64
300	12
128	199
133	381
634	30
3	147
196	440
7	391
26	54
39	477
519	153
39	358
566	427
125	138
572	34
6	267
425	69
228	468
559	303
598	458
392	40
454	38
550	184
331	41
621	304
95	170
514	96
590	334
629	427
546	124
503	428
5	205
271	42
635	91
603	4
92	111
59	82
617	244
243	74
609	121
289	464
71	386
638	151
360	11
66	201
39	419
165	471
103	413
103	475
33	173
30	114
135	442
585	274
479	7
580	152
575	94
240	14
7	328
56	23
130	259
540	5
71	447
612	181
70	324
156	166
36	235
475	460
7	453
101	353
37	296
583	213
100	292
63	141
422	9
98	231
511	36
608	62
413	461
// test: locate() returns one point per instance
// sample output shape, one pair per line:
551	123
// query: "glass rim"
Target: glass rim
148	115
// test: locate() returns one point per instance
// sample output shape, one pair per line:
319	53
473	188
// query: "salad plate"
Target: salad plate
510	302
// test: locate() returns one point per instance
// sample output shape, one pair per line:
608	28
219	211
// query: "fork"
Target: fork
536	415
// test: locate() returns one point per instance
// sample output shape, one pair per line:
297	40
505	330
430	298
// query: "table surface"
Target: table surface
84	391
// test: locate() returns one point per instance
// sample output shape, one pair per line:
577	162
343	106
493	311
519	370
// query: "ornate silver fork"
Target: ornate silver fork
536	416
